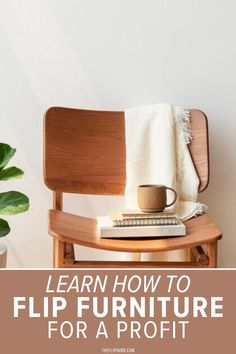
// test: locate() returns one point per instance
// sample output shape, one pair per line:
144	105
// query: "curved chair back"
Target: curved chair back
84	150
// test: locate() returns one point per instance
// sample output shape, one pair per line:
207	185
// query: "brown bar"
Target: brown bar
200	256
111	264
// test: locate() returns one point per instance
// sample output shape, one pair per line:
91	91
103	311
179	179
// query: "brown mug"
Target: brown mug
152	197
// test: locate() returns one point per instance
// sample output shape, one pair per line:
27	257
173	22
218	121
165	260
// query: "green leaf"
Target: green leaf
4	228
13	203
10	173
6	153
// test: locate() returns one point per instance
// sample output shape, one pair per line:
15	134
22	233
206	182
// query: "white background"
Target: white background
112	54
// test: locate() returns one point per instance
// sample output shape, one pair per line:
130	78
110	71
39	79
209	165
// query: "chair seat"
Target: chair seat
83	231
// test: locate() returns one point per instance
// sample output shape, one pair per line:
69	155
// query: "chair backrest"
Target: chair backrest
84	150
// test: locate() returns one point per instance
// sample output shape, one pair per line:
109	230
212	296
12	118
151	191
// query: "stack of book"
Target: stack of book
136	224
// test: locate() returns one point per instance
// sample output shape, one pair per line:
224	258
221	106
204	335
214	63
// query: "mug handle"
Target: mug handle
175	197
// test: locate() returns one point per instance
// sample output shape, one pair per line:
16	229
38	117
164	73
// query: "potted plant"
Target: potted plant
11	202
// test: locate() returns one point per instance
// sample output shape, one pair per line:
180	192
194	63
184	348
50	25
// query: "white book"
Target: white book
106	229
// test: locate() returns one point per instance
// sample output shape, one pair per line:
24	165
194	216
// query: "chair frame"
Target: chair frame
59	181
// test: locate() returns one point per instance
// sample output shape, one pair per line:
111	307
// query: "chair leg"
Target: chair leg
138	257
212	254
191	256
69	258
58	253
199	256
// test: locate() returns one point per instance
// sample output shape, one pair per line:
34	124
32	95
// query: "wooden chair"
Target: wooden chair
84	153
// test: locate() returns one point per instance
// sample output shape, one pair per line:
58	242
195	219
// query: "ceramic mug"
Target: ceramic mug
152	197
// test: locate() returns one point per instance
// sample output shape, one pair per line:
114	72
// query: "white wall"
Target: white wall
114	54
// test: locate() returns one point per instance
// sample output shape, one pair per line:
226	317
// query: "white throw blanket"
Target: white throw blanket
157	153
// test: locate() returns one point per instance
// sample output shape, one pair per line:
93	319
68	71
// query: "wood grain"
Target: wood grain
81	230
58	245
122	264
212	254
199	255
84	150
199	147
